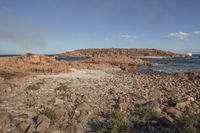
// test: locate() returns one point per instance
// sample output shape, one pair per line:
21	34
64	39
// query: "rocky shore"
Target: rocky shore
104	100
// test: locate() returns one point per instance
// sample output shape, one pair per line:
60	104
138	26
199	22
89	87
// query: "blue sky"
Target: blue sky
55	26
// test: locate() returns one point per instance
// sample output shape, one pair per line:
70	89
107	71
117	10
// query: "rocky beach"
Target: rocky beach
105	94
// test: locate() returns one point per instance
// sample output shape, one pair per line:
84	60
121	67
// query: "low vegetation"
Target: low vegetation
33	87
31	103
50	113
190	124
115	124
113	52
174	100
62	87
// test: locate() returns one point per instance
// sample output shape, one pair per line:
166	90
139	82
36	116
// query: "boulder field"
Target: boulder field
99	100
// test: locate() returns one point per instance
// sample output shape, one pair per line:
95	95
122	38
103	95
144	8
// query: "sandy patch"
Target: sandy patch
83	73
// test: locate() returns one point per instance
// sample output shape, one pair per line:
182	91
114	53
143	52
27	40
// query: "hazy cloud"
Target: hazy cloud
178	36
21	33
196	32
22	40
181	35
128	37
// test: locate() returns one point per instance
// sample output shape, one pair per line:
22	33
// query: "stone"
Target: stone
174	112
83	106
166	121
30	129
23	127
191	99
58	101
8	90
56	131
152	106
181	106
5	119
43	123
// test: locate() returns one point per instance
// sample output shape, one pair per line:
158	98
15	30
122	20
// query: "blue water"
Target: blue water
11	55
71	58
173	65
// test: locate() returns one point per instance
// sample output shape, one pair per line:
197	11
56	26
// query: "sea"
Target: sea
164	65
173	65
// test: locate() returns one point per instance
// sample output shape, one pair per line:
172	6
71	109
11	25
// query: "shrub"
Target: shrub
190	125
147	116
61	88
115	124
50	113
33	87
29	54
142	120
173	101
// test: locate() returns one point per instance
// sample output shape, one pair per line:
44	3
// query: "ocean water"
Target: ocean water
11	55
71	58
173	65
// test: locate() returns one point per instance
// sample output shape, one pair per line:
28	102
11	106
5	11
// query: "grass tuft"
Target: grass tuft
61	88
50	113
115	124
33	87
190	125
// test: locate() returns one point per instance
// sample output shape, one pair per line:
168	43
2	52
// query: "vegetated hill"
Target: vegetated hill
116	52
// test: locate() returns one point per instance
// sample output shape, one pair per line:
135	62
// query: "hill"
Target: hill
116	52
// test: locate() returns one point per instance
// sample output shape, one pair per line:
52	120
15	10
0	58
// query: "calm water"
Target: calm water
71	58
174	65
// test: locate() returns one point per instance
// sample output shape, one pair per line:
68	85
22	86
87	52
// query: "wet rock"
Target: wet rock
152	106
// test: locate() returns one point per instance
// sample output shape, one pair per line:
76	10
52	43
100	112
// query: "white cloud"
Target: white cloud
196	32
178	36
128	37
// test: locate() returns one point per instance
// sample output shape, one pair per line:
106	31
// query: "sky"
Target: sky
55	26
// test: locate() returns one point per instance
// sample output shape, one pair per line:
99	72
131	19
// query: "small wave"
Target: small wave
157	64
